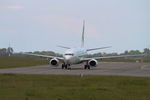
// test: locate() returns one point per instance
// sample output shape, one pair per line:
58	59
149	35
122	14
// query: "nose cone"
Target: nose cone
67	58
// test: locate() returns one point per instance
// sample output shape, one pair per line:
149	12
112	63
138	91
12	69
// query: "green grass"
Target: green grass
11	62
52	87
124	60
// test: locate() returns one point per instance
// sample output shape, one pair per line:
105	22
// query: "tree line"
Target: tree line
146	51
6	51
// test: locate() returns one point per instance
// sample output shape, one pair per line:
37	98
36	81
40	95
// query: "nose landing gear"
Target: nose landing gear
66	66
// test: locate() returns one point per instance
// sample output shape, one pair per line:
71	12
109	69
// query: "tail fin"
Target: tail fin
82	41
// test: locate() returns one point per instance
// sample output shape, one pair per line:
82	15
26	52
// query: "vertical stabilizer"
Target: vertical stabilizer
10	50
82	41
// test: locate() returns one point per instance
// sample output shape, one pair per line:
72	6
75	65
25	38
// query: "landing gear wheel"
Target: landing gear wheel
86	66
66	66
63	65
69	68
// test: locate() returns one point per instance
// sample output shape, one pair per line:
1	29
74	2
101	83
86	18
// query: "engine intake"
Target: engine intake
54	62
92	63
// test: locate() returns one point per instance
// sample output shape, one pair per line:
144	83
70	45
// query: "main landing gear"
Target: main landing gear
86	66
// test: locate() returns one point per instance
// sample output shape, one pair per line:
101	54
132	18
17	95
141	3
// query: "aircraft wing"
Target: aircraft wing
45	56
110	57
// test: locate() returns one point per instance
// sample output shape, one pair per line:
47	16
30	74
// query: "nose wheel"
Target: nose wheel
66	66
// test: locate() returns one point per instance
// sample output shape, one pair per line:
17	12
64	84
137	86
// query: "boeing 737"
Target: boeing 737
76	56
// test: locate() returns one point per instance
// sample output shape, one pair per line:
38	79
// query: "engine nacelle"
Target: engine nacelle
54	62
92	62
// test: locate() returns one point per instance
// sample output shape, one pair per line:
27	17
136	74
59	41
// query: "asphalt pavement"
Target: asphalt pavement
104	68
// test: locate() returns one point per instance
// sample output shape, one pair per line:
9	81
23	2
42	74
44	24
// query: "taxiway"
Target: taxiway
104	68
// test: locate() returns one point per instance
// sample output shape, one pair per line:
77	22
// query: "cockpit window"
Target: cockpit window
71	54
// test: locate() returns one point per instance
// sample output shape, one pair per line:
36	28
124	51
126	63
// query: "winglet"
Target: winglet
82	41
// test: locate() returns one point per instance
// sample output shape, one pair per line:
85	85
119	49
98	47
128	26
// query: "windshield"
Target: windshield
71	54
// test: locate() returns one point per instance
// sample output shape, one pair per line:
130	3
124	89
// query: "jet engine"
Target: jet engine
54	62
92	62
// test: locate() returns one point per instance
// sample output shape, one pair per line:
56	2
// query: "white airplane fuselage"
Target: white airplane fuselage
73	55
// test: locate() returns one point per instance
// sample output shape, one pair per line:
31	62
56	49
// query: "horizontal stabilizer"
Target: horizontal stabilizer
64	47
97	48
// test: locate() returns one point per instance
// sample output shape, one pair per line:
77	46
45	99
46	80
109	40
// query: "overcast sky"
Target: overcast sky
31	25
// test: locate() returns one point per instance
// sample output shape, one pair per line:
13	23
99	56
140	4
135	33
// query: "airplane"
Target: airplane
76	56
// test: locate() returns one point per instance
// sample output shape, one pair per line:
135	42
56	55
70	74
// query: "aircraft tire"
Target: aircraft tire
88	66
63	66
66	66
85	66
